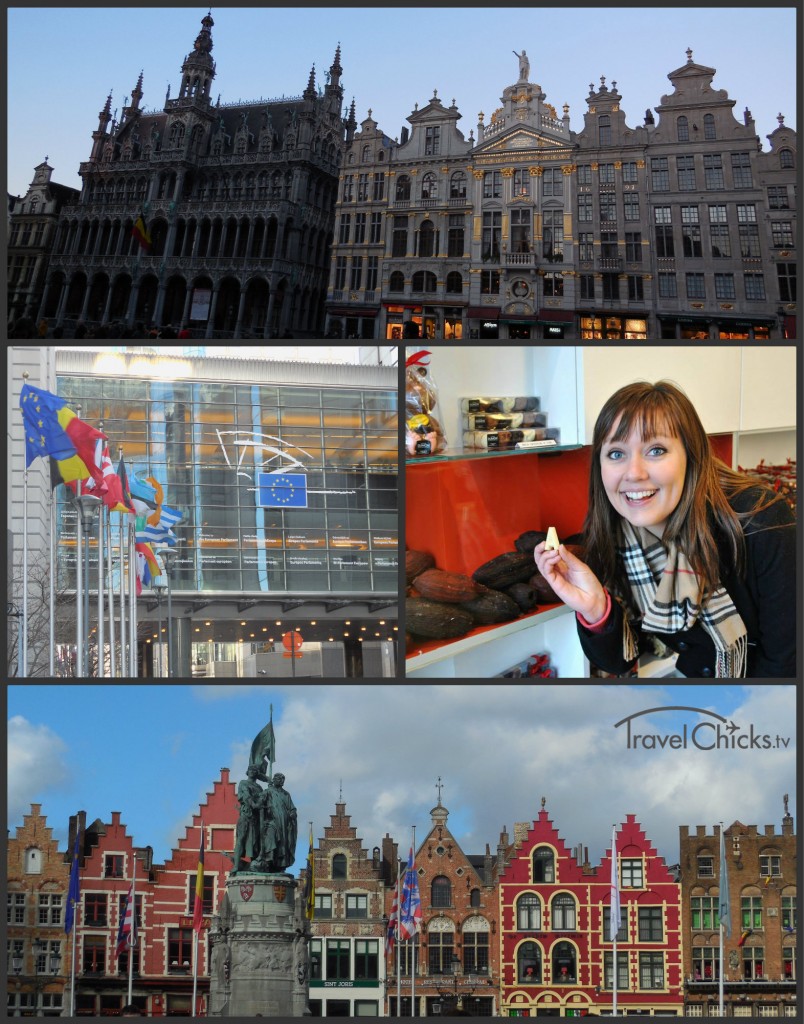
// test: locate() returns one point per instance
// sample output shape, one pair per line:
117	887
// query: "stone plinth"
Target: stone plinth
258	949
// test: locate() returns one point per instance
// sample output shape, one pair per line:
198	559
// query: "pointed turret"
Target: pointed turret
336	70
198	69
309	92
136	94
351	122
105	115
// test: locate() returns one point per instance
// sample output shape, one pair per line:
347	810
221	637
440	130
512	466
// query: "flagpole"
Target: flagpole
123	662
72	976
101	594
133	934
52	616
79	585
197	931
615	917
24	632
110	591
132	597
398	938
723	918
413	941
23	638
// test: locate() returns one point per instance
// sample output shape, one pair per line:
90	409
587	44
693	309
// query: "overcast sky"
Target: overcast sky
63	62
153	752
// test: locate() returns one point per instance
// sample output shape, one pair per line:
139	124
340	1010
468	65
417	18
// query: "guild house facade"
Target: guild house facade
682	227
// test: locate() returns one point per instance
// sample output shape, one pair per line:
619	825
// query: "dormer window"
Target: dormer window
683	129
432	141
786	159
710	133
33	861
604	130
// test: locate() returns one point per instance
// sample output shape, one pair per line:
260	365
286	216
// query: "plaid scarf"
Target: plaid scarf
665	589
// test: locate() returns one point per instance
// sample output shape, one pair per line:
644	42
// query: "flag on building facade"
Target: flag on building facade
309	882
123	477
53	429
724	903
127	930
410	914
115	497
744	936
390	935
141	233
198	905
74	891
615	914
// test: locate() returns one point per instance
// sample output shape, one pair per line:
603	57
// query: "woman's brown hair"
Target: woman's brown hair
703	509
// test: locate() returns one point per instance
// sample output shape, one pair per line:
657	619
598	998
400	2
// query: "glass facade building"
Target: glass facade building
283	489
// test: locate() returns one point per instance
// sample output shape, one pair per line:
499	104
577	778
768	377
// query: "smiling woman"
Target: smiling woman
679	545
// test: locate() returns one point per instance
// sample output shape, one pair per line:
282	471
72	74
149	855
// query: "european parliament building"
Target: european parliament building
285	474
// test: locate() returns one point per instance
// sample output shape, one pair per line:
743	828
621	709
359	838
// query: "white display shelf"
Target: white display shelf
487	653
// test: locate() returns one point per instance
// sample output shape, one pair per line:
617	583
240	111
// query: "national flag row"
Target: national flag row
79	457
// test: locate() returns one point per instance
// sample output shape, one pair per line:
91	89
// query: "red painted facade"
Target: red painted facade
163	957
552	909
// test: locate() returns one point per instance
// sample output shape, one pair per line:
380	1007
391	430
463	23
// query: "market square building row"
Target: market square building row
520	930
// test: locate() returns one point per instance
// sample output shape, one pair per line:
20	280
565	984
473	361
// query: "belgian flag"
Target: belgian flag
141	233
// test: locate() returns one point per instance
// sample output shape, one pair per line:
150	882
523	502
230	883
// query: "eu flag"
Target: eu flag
282	490
52	428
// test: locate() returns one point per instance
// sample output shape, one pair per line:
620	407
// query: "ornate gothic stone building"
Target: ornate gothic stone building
237	199
681	227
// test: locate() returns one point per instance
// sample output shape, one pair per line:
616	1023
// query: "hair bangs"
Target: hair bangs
652	413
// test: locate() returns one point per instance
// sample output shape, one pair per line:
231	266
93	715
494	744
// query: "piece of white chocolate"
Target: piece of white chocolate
551	544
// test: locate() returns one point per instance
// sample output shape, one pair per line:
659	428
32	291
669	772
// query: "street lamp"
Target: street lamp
159	585
85	505
168	556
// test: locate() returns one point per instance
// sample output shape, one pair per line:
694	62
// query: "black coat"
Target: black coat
764	594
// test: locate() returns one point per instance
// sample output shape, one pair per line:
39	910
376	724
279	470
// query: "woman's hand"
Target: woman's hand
573	581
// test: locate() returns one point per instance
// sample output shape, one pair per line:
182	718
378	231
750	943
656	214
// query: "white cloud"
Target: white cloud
499	749
37	764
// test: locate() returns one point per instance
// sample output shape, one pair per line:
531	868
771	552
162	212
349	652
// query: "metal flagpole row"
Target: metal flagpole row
132	596
101	574
110	592
52	583
123	658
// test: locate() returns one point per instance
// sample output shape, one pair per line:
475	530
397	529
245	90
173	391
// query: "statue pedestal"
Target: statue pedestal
258	949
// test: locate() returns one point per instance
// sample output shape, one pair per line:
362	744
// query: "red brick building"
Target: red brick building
759	958
456	950
38	955
347	963
164	953
554	909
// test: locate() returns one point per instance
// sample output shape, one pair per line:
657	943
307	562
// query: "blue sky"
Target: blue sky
153	752
62	62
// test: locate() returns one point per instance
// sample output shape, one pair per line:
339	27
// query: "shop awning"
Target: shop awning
556	316
484	312
518	318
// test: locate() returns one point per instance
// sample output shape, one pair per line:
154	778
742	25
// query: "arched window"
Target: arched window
604	130
402	188
529	964
441	888
543	867
454	283
429	186
176	134
528	913
682	129
396	282
709	127
427	239
474	898
380	156
366	154
424	281
564	969
457	185
786	158
339	866
563	913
